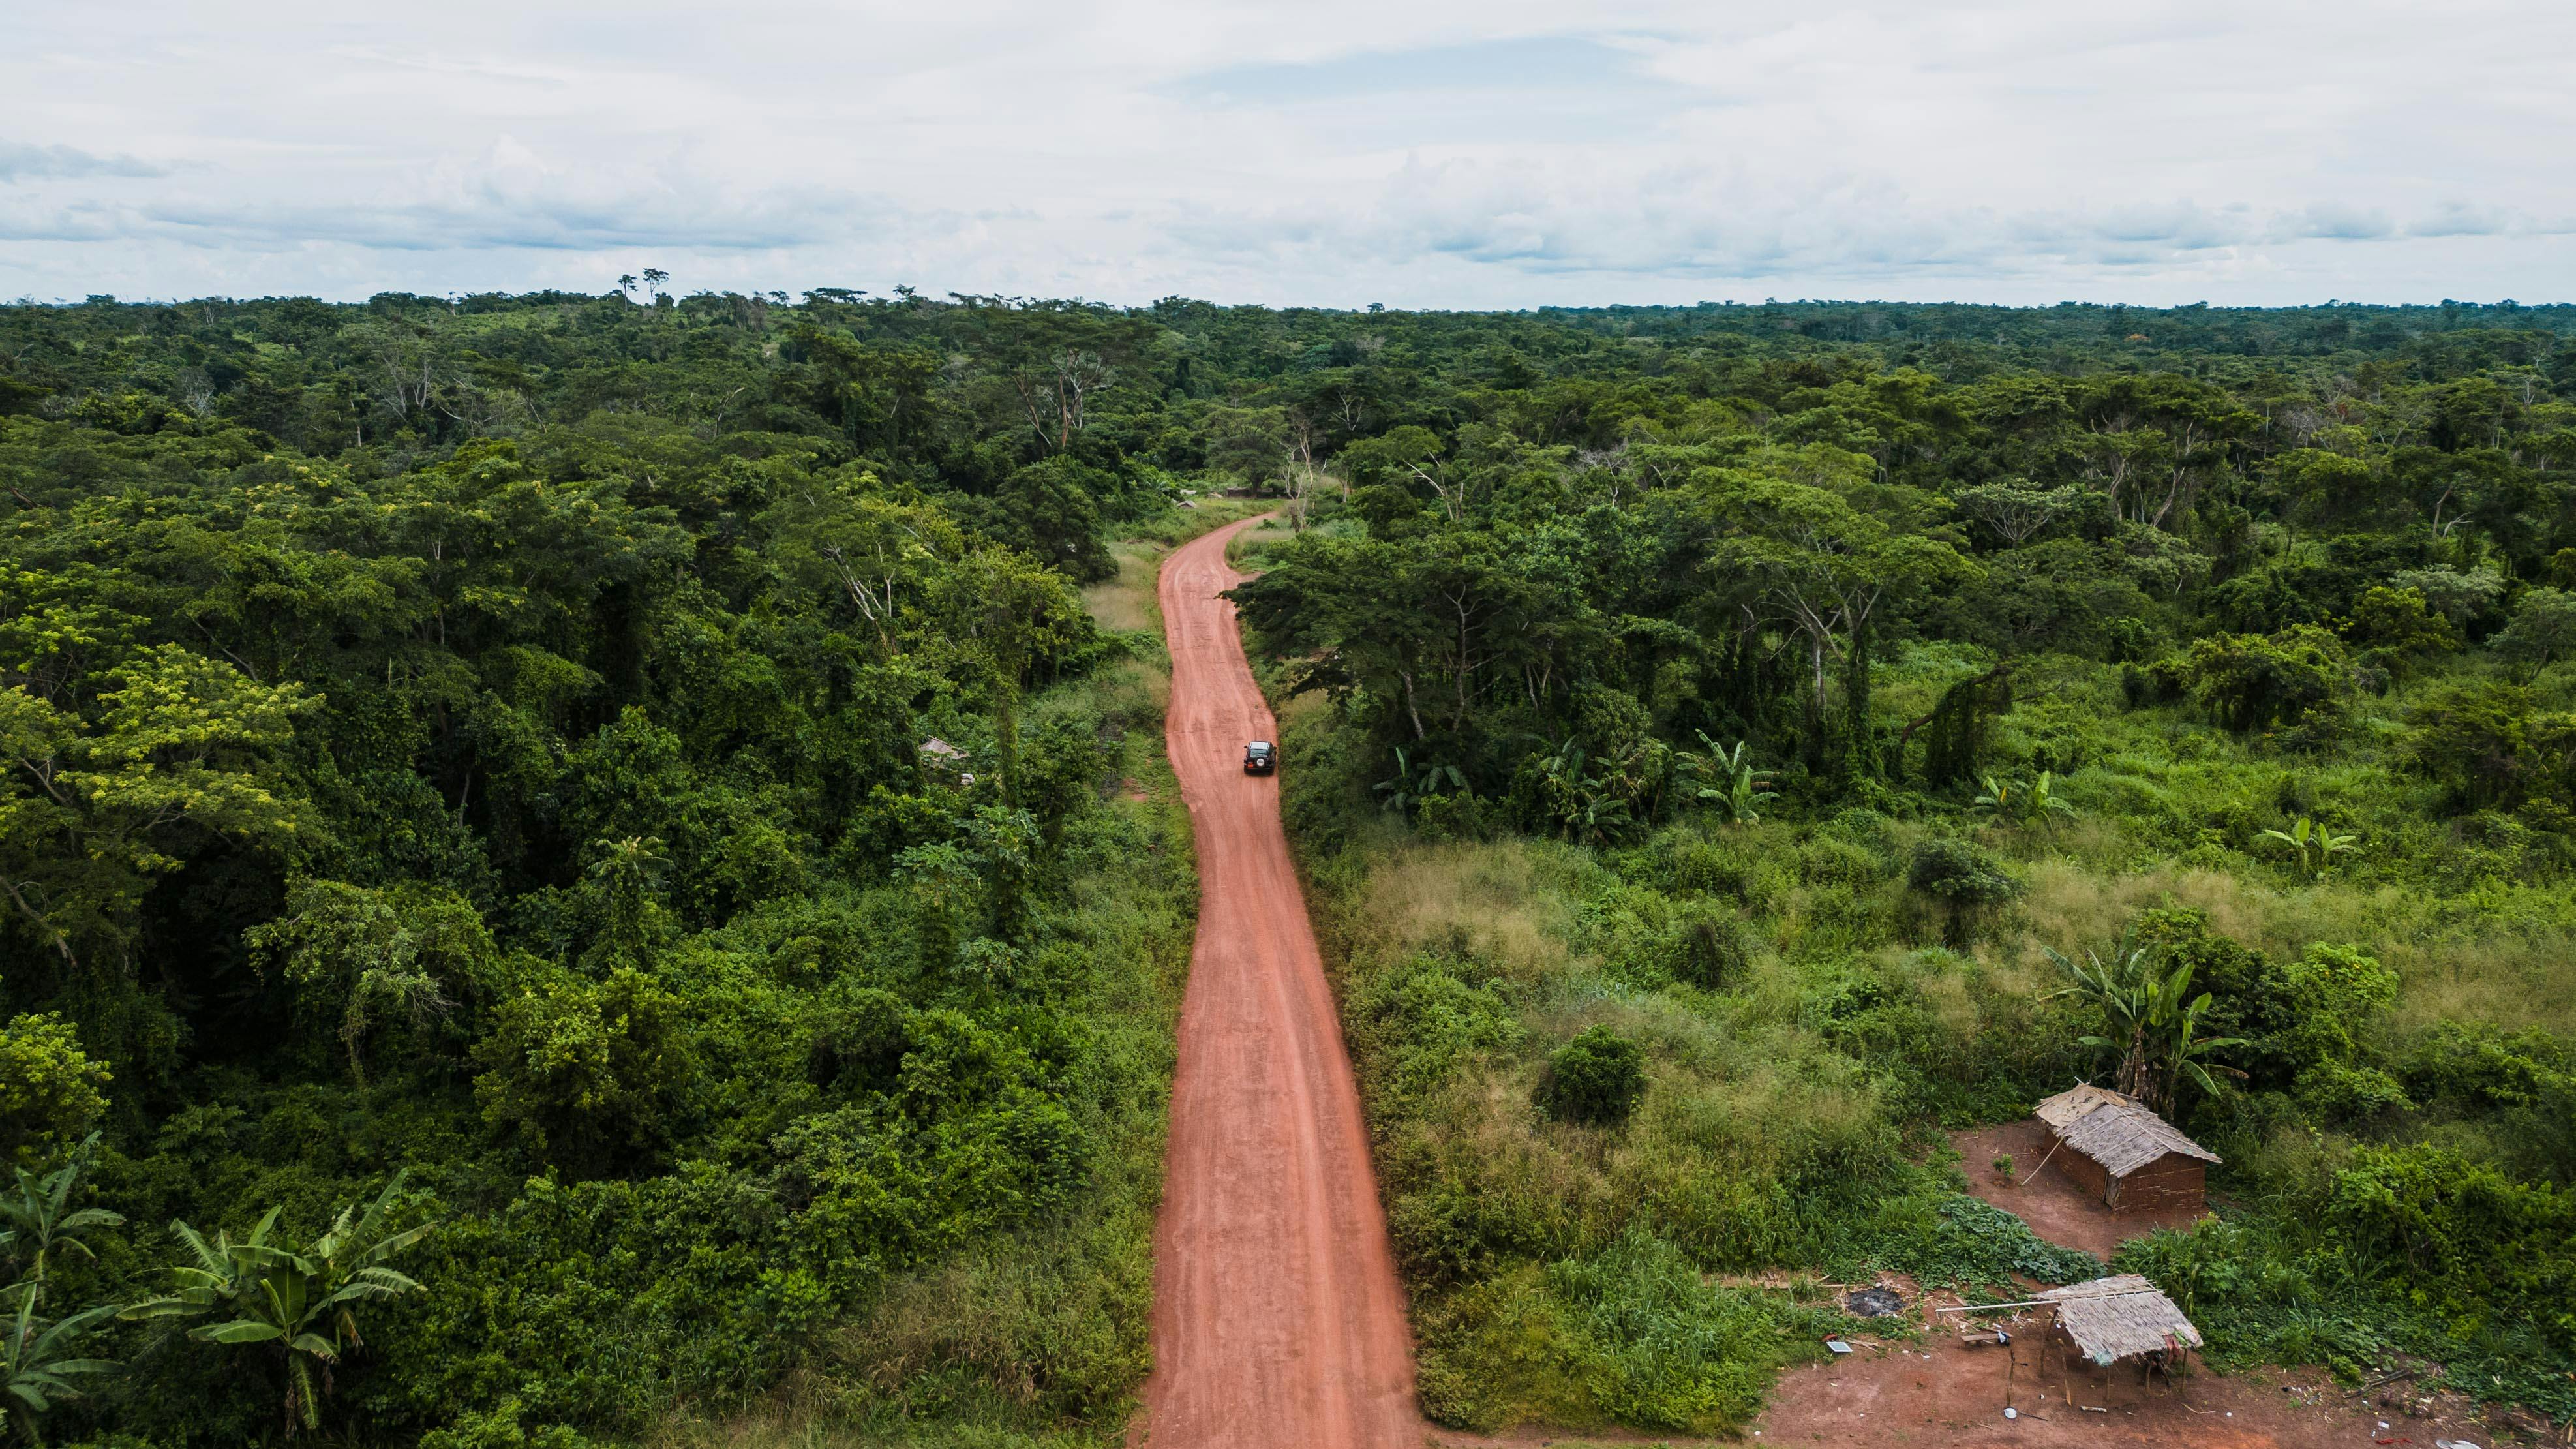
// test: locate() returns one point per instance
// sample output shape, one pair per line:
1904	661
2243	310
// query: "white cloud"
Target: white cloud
1428	153
28	163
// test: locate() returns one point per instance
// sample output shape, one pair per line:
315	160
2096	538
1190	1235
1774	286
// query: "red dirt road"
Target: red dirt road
1278	1320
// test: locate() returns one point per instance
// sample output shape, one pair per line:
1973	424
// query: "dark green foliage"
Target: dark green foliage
1713	952
2255	683
2186	596
1632	1334
518	778
2417	1249
1963	1241
1597	1078
2491	745
1959	733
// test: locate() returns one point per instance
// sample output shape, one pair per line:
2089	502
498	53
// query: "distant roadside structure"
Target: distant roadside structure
2132	1159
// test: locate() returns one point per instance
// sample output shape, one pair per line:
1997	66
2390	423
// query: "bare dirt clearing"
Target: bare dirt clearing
1939	1392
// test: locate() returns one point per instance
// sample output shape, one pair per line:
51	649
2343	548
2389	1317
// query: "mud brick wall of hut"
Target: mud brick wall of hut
2081	1170
2172	1181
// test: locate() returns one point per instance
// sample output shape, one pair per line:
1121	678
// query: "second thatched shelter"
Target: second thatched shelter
2123	1316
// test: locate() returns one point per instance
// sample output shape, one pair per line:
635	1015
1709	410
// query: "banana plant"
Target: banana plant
1733	785
2001	800
39	1359
2036	803
2315	846
1588	806
40	1216
2115	982
2043	805
1406	787
2184	1050
304	1300
2153	1019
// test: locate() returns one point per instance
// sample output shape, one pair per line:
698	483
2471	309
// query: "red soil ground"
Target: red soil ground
1278	1319
1939	1391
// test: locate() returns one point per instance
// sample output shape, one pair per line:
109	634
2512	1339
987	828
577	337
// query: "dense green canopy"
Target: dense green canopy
649	772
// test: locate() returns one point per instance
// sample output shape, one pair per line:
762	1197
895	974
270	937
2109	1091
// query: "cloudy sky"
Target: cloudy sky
1328	152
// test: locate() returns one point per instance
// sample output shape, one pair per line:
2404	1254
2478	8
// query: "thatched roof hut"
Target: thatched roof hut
2120	1317
2128	1155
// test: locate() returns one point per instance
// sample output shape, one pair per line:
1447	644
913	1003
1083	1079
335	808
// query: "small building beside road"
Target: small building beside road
2117	1150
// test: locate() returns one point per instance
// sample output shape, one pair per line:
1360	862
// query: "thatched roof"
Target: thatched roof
2069	1107
2115	1131
2120	1317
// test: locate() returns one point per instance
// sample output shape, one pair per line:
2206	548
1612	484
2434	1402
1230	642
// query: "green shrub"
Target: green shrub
1713	952
1597	1078
1965	878
591	1076
2254	682
1830	860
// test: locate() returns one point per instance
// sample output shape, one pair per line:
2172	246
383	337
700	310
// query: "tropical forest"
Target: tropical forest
603	869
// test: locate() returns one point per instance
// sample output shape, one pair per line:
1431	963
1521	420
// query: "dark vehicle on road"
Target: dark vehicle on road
1260	757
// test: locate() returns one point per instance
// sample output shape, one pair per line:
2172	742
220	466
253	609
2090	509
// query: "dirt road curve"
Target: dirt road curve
1277	1316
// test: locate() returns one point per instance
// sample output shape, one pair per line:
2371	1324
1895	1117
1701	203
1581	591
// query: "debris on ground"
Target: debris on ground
1873	1303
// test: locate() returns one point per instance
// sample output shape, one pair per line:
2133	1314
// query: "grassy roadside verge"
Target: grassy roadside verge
1038	1339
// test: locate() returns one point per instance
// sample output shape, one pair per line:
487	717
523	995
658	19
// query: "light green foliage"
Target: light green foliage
2313	847
2543	628
2328	997
118	766
2399	624
1726	779
51	1091
2035	802
2449	592
587	1075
